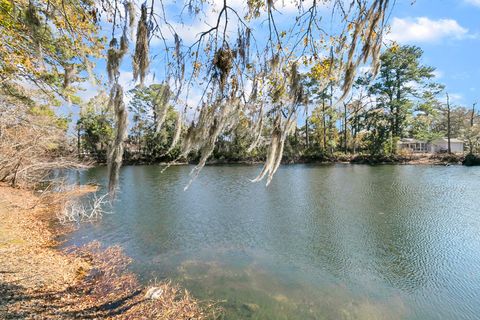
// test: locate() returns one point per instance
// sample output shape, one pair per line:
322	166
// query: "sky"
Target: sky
448	31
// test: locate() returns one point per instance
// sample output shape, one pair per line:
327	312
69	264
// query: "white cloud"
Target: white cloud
190	28
437	74
423	29
455	98
473	2
190	31
364	70
89	90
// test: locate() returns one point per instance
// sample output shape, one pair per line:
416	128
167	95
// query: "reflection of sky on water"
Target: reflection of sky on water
328	241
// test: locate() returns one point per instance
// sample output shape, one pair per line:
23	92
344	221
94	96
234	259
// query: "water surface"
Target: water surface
321	242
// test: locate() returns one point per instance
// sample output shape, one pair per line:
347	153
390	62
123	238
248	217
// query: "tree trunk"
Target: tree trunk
307	137
324	126
398	112
330	134
296	135
355	129
330	122
472	117
78	143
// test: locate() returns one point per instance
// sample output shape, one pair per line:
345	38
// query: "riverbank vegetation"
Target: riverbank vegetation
404	101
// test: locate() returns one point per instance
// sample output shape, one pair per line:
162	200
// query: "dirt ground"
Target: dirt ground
39	281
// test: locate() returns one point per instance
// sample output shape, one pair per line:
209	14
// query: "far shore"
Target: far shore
411	159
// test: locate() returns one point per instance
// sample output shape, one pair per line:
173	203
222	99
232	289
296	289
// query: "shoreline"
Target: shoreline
40	280
415	159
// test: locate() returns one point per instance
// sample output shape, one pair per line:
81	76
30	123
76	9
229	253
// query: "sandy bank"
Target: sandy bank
39	281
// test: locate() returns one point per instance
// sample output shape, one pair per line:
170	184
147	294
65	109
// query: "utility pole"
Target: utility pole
472	117
473	114
345	126
448	124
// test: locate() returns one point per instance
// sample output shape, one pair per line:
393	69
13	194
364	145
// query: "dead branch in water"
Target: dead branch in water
80	210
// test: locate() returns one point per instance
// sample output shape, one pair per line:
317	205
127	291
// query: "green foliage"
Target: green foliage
233	145
145	106
96	132
49	113
471	160
41	42
95	128
401	78
427	116
378	139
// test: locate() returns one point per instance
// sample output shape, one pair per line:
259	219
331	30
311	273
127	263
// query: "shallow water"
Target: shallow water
321	242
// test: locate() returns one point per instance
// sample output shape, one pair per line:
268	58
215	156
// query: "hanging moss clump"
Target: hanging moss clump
223	62
281	129
115	54
31	16
140	57
177	134
70	72
115	153
130	8
161	105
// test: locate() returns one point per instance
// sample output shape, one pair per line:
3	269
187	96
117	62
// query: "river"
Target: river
321	242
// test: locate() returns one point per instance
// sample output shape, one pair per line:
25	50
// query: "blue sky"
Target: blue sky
448	31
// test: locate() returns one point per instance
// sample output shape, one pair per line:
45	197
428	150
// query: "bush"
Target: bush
471	160
374	159
341	157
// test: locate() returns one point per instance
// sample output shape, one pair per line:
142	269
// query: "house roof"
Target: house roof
440	140
452	140
410	140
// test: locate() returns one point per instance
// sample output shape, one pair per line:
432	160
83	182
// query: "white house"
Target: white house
436	146
441	145
413	145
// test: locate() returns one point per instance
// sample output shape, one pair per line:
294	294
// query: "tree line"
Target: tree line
291	90
403	101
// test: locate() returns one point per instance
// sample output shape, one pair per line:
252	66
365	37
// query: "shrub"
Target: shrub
471	160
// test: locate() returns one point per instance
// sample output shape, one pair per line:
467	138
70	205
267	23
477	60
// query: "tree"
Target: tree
46	50
320	85
48	44
426	117
33	140
154	121
359	106
58	41
472	131
95	128
402	78
221	64
377	136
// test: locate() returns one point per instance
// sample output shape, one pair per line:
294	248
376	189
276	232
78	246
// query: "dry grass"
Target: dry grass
38	281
